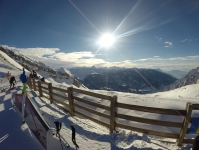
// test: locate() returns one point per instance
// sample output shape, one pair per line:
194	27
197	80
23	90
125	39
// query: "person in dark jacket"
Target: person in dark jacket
30	76
196	143
42	79
12	80
73	136
58	127
24	80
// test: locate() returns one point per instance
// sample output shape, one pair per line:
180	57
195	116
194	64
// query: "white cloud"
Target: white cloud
168	44
56	59
159	39
184	40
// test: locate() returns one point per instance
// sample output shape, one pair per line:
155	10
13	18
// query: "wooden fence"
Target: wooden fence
71	102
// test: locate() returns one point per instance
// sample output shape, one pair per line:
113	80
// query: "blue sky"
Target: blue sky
148	33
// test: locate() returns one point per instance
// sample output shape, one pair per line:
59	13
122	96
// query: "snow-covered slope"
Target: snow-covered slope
191	78
51	75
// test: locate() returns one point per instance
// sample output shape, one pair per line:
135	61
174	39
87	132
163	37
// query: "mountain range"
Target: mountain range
131	80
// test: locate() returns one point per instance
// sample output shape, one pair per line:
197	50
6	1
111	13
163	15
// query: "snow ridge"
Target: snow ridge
191	78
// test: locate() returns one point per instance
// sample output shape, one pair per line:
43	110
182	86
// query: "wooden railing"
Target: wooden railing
71	102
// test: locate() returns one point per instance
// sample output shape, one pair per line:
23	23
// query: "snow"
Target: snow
89	135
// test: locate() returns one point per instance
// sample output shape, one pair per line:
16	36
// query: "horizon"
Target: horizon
153	34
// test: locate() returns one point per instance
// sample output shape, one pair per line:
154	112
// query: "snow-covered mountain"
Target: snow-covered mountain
60	75
132	80
191	78
82	72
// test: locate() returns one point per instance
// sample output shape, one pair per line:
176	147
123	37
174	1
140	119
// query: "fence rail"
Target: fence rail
74	104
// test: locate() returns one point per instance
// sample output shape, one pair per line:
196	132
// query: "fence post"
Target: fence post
71	100
186	121
112	113
34	85
50	90
31	86
39	87
30	83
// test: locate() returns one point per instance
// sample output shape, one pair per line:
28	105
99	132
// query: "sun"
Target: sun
106	40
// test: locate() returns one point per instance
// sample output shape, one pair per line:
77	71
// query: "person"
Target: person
58	127
196	143
8	75
34	74
73	136
23	78
42	79
31	76
12	79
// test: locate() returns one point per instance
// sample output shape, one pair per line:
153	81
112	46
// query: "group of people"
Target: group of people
23	78
33	74
58	127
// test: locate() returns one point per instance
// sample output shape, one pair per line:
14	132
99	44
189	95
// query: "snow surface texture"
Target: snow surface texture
89	135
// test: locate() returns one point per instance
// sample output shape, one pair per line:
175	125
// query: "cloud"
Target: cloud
75	56
187	40
159	39
184	40
168	44
54	58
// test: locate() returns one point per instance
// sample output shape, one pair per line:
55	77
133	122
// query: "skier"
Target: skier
58	127
34	74
31	76
42	79
196	143
23	78
8	75
73	136
12	79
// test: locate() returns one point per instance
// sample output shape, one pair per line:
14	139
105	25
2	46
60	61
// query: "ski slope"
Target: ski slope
89	135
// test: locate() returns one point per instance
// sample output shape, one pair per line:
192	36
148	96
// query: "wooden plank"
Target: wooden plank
112	113
186	121
92	111
91	103
44	83
39	87
71	100
46	92
50	92
152	109
146	131
188	141
92	119
62	90
61	102
34	85
44	87
195	106
64	97
46	97
92	94
150	121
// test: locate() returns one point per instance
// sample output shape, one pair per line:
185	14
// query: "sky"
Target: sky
145	34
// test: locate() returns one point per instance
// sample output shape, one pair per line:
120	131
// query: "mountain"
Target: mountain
191	78
82	72
129	80
60	75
